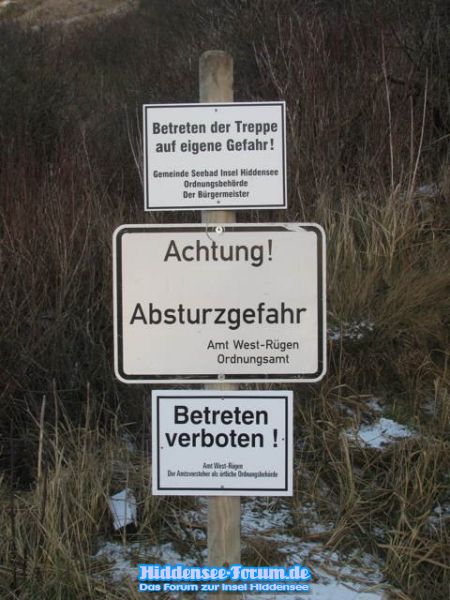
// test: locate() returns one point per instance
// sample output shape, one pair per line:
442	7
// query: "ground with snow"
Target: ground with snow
354	576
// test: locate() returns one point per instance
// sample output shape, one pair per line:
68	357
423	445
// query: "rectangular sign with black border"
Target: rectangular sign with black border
215	156
214	303
222	443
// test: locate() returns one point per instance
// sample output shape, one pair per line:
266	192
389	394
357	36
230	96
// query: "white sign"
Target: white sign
231	302
222	443
214	156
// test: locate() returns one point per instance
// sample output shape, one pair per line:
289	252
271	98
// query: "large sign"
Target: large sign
214	156
222	443
214	303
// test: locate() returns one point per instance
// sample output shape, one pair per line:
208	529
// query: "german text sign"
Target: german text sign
214	156
222	443
229	302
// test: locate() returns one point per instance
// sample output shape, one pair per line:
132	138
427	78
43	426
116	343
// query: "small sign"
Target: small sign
214	156
214	303
222	443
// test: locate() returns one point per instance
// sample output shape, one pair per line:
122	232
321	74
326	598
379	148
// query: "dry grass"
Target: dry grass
52	530
367	97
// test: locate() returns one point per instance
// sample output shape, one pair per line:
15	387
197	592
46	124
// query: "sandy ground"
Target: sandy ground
37	12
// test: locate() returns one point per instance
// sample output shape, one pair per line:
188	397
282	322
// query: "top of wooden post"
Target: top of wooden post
216	76
216	85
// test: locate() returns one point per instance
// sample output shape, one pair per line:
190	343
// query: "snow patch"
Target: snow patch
352	577
353	331
380	433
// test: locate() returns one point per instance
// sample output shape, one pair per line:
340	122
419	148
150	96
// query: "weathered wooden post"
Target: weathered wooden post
224	512
270	328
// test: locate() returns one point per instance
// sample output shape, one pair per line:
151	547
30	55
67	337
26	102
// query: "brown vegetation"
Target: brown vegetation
368	103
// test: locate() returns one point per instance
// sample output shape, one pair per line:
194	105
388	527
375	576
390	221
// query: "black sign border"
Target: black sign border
208	378
221	396
225	206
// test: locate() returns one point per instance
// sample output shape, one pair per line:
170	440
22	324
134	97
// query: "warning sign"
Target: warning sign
227	302
214	156
218	443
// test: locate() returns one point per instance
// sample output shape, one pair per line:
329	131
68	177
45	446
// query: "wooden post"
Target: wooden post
216	85
224	512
